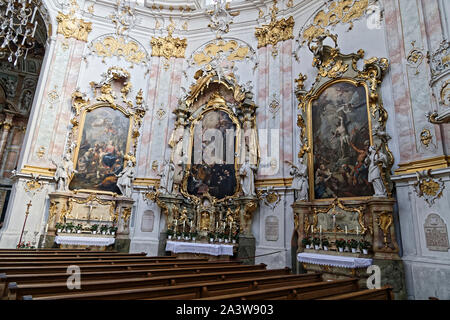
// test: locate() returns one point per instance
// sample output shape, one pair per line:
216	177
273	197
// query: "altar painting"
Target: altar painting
341	139
101	150
212	168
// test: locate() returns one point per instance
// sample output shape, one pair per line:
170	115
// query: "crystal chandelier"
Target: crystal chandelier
17	28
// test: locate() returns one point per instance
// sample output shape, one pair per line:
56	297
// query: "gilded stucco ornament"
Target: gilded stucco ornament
276	31
428	188
124	17
342	11
426	137
168	46
72	27
118	46
439	118
440	61
385	220
415	57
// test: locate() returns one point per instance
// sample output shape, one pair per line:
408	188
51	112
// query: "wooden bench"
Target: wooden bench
108	266
54	257
384	293
294	292
66	254
185	291
30	278
65	262
17	291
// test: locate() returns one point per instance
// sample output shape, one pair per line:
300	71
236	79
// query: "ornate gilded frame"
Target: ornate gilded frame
107	98
312	98
334	67
215	103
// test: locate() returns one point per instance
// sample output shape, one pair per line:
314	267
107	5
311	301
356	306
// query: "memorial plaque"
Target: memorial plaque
272	227
148	220
436	234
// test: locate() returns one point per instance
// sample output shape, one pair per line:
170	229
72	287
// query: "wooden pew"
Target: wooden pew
185	291
294	292
107	266
30	278
66	262
67	254
384	293
17	291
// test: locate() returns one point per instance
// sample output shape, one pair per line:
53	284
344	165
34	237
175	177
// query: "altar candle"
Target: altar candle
345	229
191	223
46	228
320	229
217	224
176	222
184	223
357	230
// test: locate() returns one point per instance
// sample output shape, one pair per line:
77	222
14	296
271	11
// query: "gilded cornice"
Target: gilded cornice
119	47
421	165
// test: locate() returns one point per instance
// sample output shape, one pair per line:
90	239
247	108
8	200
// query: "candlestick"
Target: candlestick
345	229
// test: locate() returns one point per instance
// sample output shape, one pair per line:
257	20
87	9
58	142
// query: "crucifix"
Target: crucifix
91	207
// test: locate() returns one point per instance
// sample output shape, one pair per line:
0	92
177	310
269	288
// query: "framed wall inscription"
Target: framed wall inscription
340	135
102	145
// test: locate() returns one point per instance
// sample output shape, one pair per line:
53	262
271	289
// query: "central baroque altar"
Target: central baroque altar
207	186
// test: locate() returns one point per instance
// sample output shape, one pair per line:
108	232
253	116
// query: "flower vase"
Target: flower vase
341	249
78	231
316	247
353	250
308	246
193	238
220	240
94	232
113	233
365	251
211	240
169	237
226	240
178	237
59	230
325	248
234	241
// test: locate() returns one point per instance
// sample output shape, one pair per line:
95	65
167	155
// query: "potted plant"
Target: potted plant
316	243
220	237
103	228
194	235
353	245
113	230
78	228
169	234
364	245
306	242
178	235
69	227
340	244
211	236
59	227
325	244
94	228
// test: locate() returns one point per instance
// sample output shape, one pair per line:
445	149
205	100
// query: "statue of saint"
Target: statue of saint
247	177
64	171
166	182
300	180
376	160
125	178
204	222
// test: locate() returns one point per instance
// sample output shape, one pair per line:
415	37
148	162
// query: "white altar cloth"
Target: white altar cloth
85	241
204	248
334	261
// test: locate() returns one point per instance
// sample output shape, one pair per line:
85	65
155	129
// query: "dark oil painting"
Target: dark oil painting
212	164
341	139
102	149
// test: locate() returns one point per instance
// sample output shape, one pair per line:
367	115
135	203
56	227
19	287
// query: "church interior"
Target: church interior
224	149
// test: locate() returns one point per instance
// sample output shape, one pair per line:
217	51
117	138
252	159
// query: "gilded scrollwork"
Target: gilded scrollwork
385	220
72	27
